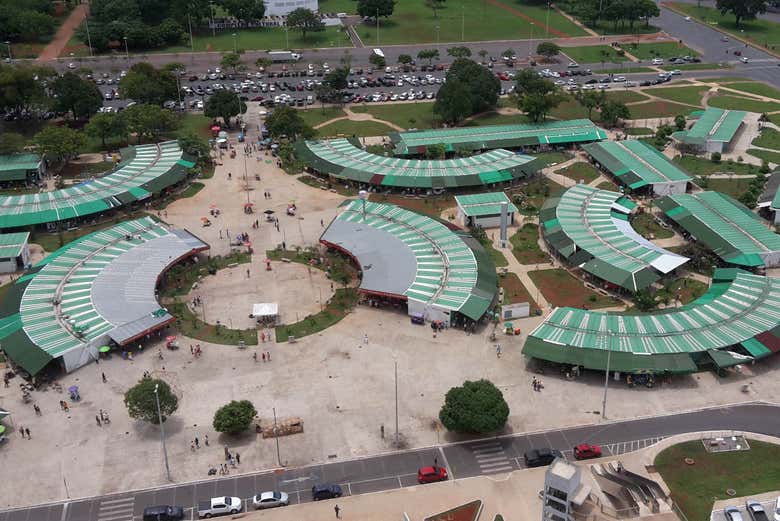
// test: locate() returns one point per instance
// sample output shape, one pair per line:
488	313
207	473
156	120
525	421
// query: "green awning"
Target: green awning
185	163
25	353
756	348
725	359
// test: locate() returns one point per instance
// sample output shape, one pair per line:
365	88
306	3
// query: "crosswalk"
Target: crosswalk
491	457
116	509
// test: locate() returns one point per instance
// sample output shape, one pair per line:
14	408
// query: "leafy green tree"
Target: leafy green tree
141	402
644	300
105	125
263	63
470	88
536	96
715	157
224	104
147	85
434	6
453	102
507	54
679	122
193	144
405	59
286	121
482	54
548	49
20	24
375	8
78	96
591	99
233	61
337	78
149	121
377	61
59	144
305	20
475	408
428	54
436	151
11	143
19	89
174	67
235	417
613	111
245	9
647	9
742	9
459	52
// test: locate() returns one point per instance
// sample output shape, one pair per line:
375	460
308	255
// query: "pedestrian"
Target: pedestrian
104	377
247	273
206	440
533	383
27	430
192	350
263	357
97	420
284	244
338	512
37	409
498	350
65	406
238	458
101	415
227	453
254	356
220	234
197	443
192	446
62	407
365	338
268	355
322	223
230	175
21	431
435	461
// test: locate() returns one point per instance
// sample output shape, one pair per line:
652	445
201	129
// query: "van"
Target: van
163	513
378	52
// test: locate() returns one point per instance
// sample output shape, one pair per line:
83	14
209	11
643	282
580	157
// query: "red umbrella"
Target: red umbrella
213	206
170	338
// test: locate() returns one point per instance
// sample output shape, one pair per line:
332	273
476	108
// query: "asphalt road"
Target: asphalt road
398	469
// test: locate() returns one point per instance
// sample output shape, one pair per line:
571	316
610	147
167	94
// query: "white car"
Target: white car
658	61
71	65
744	59
270	500
777	509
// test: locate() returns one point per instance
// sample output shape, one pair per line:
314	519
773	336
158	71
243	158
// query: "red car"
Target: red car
431	474
586	451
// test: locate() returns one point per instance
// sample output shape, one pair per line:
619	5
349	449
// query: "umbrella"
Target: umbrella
213	206
104	349
204	219
73	389
248	205
248	244
170	338
268	212
508	324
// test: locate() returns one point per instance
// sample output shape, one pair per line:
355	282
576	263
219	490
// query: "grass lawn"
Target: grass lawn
622	70
197	123
608	185
571	109
346	127
694	487
733	187
337	308
646	225
683	290
639	131
738	103
759	30
496	255
754	87
525	245
515	291
191	326
191	190
261	39
769	138
772	157
698	166
405	115
560	288
579	172
659	109
626	96
533	193
432	206
775	118
593	54
413	22
688	95
648	51
494	118
696	67
315	116
552	158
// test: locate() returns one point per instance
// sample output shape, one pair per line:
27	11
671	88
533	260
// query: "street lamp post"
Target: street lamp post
10	56
162	432
127	51
437	35
235	45
213	29
276	437
606	381
89	40
363	195
396	403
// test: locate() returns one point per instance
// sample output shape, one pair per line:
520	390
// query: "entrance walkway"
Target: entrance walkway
64	33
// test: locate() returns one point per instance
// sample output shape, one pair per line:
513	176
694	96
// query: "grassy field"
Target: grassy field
759	30
683	290
525	245
433	206
737	103
698	166
495	255
405	115
197	123
593	54
551	158
346	127
627	96
316	116
694	487
571	109
696	67
659	109
754	87
645	224
494	118
337	308
639	131
689	95
622	70
534	193
580	171
772	157
648	51
191	326
769	138
261	39
466	20
608	185
560	288
515	291
733	187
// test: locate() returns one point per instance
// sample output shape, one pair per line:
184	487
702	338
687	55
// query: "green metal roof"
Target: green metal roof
635	163
497	136
19	162
149	163
595	222
453	272
727	227
737	308
11	244
343	158
714	124
484	204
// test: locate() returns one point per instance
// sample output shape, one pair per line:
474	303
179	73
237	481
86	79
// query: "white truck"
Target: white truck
284	56
219	506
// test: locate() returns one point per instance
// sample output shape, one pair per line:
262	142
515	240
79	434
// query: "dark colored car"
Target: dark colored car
541	457
326	491
587	451
163	513
431	474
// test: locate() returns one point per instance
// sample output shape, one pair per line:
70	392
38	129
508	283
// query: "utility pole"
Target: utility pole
276	436
606	382
192	43
377	27
10	56
213	29
127	52
396	403
89	40
235	45
162	432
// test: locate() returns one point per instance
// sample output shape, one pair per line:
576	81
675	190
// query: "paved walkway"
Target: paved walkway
64	33
521	270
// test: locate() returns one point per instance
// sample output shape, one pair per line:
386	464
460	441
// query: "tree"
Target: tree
337	79
715	157
233	61
59	144
147	85
305	20
375	8
435	5
742	9
405	59
459	52
592	99
470	88
679	122
104	125
286	121
376	60
475	408
536	96
648	9
193	144
644	300
11	143
149	120
428	54
19	89
224	104
452	102
614	111
508	54
482	54
174	67
141	402
548	49
263	63
235	417
73	94
245	9
436	151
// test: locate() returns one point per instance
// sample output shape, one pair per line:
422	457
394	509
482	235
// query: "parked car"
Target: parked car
431	474
163	513
541	457
326	491
755	510
658	61
587	451
732	514
270	499
219	506
777	509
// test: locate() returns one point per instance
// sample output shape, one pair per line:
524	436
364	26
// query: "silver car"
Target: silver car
732	514
270	500
755	510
